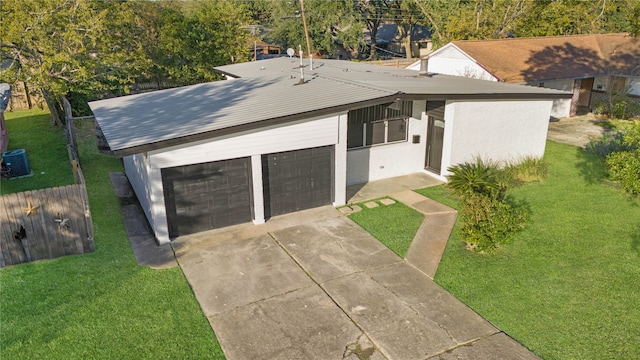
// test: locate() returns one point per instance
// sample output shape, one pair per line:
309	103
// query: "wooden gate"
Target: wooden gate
44	224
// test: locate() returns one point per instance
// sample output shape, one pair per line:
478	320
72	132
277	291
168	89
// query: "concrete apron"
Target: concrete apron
326	289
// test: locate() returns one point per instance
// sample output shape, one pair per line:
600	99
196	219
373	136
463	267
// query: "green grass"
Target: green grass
45	148
614	124
394	225
568	287
100	305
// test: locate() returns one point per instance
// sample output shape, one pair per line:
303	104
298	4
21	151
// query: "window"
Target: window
379	124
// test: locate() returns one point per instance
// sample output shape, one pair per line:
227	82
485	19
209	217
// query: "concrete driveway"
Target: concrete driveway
314	285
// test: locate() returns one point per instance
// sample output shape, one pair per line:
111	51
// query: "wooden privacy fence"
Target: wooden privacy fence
48	223
44	224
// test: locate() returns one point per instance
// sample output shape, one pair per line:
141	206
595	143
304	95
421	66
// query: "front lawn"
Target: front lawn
100	305
568	287
393	225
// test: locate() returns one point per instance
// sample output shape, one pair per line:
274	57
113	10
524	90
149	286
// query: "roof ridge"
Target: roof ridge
356	83
540	37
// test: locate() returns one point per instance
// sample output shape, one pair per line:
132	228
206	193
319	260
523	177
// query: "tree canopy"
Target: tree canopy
97	48
94	48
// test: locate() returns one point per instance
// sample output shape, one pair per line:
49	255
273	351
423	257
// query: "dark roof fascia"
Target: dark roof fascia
250	126
578	78
493	96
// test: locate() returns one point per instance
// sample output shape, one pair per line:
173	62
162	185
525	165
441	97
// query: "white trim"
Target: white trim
340	163
258	195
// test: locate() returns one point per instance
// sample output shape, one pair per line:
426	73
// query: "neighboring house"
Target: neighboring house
266	142
262	50
391	44
590	66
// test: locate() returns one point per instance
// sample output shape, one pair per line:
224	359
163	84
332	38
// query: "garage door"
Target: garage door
297	180
206	196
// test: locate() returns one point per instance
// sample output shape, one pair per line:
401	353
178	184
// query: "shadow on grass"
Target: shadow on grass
590	166
519	204
635	240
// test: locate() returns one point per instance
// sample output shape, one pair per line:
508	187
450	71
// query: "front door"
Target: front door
435	136
584	95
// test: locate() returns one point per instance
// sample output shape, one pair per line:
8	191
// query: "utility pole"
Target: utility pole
306	31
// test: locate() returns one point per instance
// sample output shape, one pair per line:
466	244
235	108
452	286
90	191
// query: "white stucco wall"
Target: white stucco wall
561	107
136	168
496	130
452	61
299	135
389	160
634	86
601	83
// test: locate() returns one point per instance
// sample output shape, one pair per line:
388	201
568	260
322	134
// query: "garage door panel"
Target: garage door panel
297	180
200	197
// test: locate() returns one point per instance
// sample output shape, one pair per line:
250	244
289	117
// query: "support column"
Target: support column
577	84
340	163
258	194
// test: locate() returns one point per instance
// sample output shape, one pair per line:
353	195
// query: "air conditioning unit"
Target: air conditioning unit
16	162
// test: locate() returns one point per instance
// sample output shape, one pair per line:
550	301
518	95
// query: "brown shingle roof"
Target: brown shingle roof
556	57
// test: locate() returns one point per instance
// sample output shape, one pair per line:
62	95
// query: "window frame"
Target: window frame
367	118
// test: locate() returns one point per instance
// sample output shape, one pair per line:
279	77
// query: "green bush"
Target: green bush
488	220
625	108
624	165
526	170
618	105
476	178
609	143
489	223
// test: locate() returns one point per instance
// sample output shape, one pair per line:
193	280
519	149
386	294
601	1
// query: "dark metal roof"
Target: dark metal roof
268	92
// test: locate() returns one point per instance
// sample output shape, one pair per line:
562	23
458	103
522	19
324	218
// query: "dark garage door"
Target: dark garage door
297	180
205	196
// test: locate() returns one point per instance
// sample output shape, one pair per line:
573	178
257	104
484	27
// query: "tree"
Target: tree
91	48
406	16
487	19
196	36
69	46
328	23
373	13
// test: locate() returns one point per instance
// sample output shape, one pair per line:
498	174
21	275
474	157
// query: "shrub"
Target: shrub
476	178
609	143
488	220
489	223
526	170
617	105
623	165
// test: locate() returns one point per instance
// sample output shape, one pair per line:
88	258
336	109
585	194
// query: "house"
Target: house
590	66
277	137
390	42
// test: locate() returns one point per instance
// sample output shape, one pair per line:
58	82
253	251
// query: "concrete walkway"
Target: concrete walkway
431	239
314	285
326	289
576	131
362	192
425	252
143	242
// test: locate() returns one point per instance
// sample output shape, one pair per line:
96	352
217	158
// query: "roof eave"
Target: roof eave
119	153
